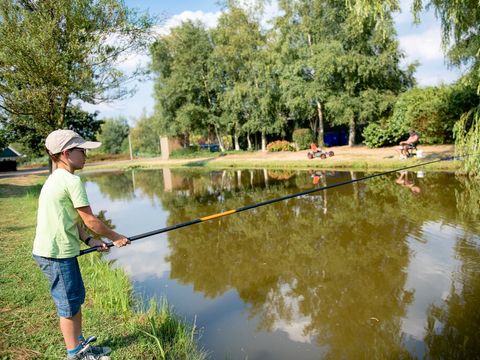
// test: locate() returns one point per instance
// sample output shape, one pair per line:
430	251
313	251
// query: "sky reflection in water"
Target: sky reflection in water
358	271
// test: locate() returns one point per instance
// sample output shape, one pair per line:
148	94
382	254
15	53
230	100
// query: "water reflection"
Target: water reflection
350	280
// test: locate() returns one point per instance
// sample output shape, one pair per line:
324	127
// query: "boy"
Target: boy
62	206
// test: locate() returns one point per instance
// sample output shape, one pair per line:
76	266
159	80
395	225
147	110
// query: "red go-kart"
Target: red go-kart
316	152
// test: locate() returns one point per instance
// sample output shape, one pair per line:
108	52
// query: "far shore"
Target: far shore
357	157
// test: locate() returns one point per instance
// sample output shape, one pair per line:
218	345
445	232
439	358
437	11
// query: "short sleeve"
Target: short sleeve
77	192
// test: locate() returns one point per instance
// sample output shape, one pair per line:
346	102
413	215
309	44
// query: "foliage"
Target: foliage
280	145
184	91
84	123
303	138
431	111
113	133
461	39
375	136
345	70
467	135
145	135
57	53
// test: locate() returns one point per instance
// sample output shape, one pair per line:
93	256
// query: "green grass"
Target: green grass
28	320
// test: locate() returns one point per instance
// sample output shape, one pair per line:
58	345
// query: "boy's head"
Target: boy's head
61	140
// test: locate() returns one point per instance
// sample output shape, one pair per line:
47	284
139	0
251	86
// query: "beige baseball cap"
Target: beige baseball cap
60	140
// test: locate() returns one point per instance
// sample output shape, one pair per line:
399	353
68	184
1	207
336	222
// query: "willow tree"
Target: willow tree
55	54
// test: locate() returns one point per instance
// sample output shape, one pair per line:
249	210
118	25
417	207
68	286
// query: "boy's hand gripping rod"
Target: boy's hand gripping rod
267	202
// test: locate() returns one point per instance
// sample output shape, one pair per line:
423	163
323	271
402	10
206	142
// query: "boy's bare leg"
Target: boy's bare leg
71	330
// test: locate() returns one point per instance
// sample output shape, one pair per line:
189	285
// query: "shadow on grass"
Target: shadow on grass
9	190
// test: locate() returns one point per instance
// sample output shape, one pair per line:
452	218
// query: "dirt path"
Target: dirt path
346	153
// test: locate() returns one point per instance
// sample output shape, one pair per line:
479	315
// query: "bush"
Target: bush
431	111
280	145
375	136
303	138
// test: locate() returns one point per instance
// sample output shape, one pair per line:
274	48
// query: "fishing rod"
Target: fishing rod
267	202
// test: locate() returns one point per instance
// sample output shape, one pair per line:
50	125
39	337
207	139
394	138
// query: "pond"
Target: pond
388	267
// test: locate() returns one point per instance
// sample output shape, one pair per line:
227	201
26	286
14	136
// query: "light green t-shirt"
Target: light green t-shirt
57	233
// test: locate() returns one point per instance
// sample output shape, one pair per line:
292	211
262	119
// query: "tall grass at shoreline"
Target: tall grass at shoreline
28	320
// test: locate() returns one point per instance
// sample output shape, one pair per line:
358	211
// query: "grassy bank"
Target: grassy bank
28	321
220	163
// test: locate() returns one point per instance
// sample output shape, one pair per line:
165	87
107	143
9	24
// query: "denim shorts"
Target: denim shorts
66	284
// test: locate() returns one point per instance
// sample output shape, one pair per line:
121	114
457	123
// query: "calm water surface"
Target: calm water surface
384	268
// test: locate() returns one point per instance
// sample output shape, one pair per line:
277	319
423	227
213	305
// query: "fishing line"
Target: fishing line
268	202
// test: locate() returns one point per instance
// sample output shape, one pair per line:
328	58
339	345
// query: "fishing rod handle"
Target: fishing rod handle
93	249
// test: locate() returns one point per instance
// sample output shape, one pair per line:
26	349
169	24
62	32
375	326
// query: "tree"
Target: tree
145	135
367	76
113	133
248	91
461	38
337	65
54	53
185	96
82	122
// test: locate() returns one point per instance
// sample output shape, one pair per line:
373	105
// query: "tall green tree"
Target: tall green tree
334	62
248	91
55	53
185	95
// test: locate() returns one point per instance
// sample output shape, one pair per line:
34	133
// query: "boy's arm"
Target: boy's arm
98	227
82	233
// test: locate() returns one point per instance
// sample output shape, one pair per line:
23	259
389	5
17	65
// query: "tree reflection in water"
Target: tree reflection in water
336	277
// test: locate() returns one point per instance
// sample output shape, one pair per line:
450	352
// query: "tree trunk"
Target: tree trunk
314	126
219	139
235	140
351	131
249	141
63	110
264	141
320	141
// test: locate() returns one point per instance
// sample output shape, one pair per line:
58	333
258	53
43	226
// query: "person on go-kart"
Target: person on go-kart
315	148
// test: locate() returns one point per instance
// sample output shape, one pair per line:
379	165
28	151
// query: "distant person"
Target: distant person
314	148
62	208
406	146
404	180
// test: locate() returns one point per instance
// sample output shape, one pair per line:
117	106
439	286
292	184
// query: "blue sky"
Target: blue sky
420	43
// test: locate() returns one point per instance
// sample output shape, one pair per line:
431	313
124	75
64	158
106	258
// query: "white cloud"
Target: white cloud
424	46
209	19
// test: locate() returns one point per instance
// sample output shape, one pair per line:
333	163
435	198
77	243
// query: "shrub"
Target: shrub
303	138
280	145
431	111
375	136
